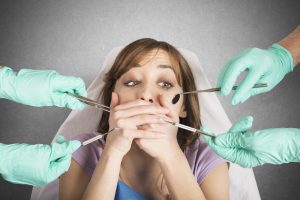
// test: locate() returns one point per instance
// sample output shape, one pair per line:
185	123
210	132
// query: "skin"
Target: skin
292	43
129	154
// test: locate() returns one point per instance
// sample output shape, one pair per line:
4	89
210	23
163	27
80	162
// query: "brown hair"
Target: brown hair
134	53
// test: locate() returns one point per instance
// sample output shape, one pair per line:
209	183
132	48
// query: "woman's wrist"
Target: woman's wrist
112	153
171	157
292	44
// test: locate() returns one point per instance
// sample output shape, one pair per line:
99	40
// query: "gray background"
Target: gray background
73	38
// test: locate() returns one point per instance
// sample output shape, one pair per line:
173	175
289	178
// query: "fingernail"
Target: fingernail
161	119
234	102
60	139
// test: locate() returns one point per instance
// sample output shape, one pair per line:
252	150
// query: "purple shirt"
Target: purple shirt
201	158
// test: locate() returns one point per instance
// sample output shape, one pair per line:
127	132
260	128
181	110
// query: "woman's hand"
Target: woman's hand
127	117
162	147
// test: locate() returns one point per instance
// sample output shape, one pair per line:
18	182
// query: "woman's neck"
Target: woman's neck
137	159
138	166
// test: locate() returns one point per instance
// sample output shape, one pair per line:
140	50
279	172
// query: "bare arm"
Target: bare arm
105	177
183	185
72	184
76	184
292	43
216	183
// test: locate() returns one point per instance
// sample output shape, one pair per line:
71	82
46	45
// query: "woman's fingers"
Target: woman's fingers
139	110
142	134
131	104
138	120
114	100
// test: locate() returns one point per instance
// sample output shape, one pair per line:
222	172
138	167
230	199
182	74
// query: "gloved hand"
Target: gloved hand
263	66
250	149
41	88
37	164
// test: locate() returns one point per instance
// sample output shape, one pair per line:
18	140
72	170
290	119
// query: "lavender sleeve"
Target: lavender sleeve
88	156
202	160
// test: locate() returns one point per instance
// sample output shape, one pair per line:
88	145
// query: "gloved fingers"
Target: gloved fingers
78	86
206	129
220	81
253	92
209	141
71	84
226	140
265	79
246	85
233	70
65	100
234	138
236	155
60	139
246	159
243	125
58	167
59	150
225	152
256	91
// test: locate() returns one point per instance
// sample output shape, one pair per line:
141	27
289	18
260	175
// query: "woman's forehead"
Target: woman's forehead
157	56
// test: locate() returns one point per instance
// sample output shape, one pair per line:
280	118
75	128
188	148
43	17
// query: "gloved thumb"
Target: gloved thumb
63	148
60	139
222	151
234	137
243	125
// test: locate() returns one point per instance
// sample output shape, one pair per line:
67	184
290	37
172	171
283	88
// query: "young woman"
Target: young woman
146	158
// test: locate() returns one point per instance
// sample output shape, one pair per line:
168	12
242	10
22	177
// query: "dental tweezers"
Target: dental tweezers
90	102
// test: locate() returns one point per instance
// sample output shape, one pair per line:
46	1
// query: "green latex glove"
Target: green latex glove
41	88
263	66
250	149
37	164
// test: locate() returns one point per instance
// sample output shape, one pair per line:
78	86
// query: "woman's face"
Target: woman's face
149	80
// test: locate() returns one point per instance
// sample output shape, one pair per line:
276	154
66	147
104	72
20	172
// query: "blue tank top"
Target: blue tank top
125	192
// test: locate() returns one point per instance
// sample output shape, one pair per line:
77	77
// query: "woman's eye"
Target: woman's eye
165	84
131	83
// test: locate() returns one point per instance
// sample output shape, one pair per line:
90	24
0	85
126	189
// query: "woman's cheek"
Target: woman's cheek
125	97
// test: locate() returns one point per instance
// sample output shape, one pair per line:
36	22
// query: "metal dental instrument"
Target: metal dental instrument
177	96
96	137
90	102
194	130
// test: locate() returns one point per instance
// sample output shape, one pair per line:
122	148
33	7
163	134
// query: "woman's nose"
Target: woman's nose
150	99
147	93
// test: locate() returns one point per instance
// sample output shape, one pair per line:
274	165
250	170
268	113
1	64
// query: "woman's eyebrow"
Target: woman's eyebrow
164	66
158	66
